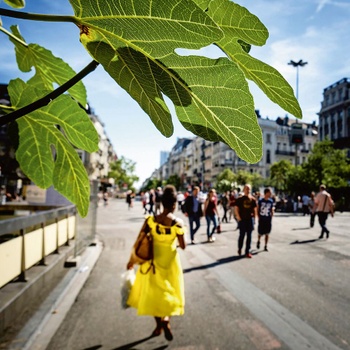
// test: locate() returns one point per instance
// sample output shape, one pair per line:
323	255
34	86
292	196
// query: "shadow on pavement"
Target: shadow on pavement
300	228
303	242
131	345
218	262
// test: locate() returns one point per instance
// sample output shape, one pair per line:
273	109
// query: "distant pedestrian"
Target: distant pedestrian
158	200
211	214
193	209
323	206
160	292
144	199
246	211
265	214
305	204
151	201
105	198
129	199
224	201
311	209
180	199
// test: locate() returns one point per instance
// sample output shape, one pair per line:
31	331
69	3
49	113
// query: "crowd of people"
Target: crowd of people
161	293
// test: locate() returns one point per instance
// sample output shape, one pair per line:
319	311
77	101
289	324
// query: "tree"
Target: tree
280	174
175	181
211	96
225	180
327	165
123	173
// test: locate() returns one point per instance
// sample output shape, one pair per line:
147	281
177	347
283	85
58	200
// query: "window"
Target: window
268	138
268	157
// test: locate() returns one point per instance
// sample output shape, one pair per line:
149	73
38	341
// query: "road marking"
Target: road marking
288	327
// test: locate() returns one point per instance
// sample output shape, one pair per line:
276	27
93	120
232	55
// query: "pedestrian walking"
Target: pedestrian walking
224	201
193	209
265	214
246	211
211	214
323	206
160	292
151	201
130	199
311	209
158	200
305	208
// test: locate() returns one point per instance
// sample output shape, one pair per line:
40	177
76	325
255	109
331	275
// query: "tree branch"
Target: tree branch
36	16
48	98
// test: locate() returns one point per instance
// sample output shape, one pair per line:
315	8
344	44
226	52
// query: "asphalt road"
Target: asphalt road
296	296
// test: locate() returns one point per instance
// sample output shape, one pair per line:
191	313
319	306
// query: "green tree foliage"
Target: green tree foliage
227	178
136	42
327	165
123	173
175	181
280	174
152	183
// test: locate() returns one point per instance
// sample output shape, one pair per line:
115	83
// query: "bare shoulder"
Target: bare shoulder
179	222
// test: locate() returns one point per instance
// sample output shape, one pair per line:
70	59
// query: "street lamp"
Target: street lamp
297	131
297	65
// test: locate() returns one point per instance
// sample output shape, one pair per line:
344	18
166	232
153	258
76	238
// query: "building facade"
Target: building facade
198	162
334	116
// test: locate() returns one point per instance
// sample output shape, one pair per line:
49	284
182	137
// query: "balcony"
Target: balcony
285	153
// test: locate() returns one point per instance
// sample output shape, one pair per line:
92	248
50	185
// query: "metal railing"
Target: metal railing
25	241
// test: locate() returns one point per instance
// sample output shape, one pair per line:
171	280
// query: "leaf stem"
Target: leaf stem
48	98
37	17
14	37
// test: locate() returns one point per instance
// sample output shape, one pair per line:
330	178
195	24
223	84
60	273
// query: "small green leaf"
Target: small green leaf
48	68
54	125
18	4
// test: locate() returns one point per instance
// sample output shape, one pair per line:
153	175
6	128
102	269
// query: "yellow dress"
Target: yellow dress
161	293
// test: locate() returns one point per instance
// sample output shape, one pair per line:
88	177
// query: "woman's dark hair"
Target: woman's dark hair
169	197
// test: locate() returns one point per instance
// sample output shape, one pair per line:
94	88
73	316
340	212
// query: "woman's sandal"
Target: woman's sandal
167	330
157	332
159	327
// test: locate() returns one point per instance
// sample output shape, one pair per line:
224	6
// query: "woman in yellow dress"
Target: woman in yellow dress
159	292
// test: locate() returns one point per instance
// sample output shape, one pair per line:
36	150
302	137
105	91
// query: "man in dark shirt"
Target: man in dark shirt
193	209
246	211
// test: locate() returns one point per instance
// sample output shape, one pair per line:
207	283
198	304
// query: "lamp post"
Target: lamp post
298	64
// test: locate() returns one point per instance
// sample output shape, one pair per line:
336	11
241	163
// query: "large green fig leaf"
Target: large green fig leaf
211	97
238	25
61	125
49	69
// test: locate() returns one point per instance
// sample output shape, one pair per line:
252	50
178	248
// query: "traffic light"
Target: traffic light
297	134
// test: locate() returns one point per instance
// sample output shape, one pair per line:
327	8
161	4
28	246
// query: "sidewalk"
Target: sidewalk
85	310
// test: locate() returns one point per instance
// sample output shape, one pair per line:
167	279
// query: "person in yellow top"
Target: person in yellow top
160	291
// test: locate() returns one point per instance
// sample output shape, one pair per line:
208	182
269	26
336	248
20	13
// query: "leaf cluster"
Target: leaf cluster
136	43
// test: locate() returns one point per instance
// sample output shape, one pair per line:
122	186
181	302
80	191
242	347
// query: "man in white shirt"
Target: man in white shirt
323	206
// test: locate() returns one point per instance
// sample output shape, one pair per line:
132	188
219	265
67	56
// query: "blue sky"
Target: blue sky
316	31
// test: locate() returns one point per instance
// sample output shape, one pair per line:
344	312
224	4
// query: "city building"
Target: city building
334	116
198	162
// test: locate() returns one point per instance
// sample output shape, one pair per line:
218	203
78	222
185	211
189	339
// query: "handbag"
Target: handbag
143	249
